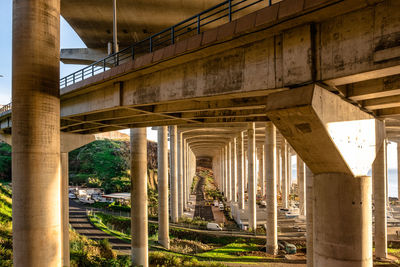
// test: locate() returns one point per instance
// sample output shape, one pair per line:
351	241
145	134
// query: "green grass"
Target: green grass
97	222
5	226
234	252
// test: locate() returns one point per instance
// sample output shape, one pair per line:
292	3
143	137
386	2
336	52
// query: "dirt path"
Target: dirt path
80	222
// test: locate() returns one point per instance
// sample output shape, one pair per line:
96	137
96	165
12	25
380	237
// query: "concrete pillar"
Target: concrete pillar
278	170
226	174
229	159
342	220
175	193
139	220
289	172
309	217
240	169
36	176
223	170
263	172
185	175
271	200
162	156
252	175
233	171
180	173
65	210
246	173
301	185
380	192
284	175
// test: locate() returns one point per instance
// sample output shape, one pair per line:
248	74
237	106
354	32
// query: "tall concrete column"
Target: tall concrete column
263	171
223	171
174	192
284	175
233	171
65	210
180	172
229	159
246	173
252	175
289	171
380	192
36	176
278	170
162	158
343	239
185	175
139	220
271	200
309	218
301	185
240	169
226	174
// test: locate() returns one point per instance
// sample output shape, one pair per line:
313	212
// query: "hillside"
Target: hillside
5	226
102	163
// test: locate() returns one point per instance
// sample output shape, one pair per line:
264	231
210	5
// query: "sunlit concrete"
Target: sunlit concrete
251	158
139	220
284	164
162	174
346	238
175	194
379	176
309	217
270	184
36	165
241	169
301	185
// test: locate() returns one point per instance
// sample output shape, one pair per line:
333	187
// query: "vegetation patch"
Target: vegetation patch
188	246
159	258
86	252
5	161
5	226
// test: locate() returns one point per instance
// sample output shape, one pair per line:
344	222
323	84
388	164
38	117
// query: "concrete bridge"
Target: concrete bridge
320	76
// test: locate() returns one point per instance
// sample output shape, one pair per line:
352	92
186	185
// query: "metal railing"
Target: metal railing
5	108
214	16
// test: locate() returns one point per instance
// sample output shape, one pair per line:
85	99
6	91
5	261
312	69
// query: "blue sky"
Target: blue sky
69	39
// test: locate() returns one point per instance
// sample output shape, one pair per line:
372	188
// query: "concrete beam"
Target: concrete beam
82	56
311	111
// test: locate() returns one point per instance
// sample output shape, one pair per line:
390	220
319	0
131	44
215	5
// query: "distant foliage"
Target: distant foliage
5	162
100	159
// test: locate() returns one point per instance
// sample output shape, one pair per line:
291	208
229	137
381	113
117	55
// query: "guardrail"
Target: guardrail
182	30
5	108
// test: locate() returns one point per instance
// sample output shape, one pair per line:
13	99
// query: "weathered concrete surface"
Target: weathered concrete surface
36	218
309	217
241	169
301	185
342	225
81	56
251	158
309	110
270	184
64	198
163	207
139	227
379	177
176	197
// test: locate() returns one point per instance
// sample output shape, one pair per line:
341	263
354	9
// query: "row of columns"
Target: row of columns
305	178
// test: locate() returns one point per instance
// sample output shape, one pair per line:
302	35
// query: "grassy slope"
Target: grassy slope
5	226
